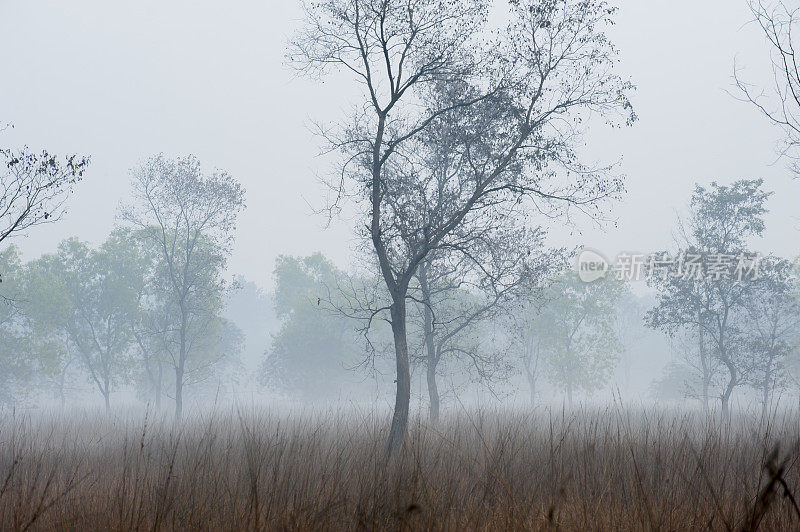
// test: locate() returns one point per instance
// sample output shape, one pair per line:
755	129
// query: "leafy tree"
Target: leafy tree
152	329
46	308
315	345
189	216
216	353
525	338
215	342
773	311
577	334
34	187
27	347
723	219
101	288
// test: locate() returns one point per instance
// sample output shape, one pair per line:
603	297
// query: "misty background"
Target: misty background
121	82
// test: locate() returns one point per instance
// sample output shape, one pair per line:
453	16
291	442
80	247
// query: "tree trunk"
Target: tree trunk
532	390
433	393
569	394
179	369
530	372
178	392
61	385
155	381
158	386
402	401
722	345
726	395
765	399
432	358
704	363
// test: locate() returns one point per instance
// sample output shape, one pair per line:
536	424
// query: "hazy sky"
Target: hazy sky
122	81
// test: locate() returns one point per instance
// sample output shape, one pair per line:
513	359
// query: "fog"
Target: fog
215	255
121	82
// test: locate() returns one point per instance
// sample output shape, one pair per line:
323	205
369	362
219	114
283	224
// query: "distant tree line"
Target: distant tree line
553	326
143	308
728	330
146	308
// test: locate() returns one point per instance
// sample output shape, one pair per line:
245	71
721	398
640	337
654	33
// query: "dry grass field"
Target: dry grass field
593	470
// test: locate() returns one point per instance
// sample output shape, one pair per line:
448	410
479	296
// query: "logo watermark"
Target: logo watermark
592	265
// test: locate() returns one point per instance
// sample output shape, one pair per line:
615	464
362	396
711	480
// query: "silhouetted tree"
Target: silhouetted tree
455	132
34	188
780	104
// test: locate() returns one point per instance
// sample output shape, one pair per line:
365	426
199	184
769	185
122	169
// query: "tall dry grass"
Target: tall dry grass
598	469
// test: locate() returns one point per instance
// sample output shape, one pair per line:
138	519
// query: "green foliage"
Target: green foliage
100	303
17	358
45	307
577	333
210	339
108	309
723	220
315	345
188	215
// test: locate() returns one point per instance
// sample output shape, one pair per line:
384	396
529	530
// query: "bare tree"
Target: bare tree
462	289
780	104
34	188
455	132
190	216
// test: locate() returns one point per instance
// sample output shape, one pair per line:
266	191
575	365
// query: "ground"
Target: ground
546	469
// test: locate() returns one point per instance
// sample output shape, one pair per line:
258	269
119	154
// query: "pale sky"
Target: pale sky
122	81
